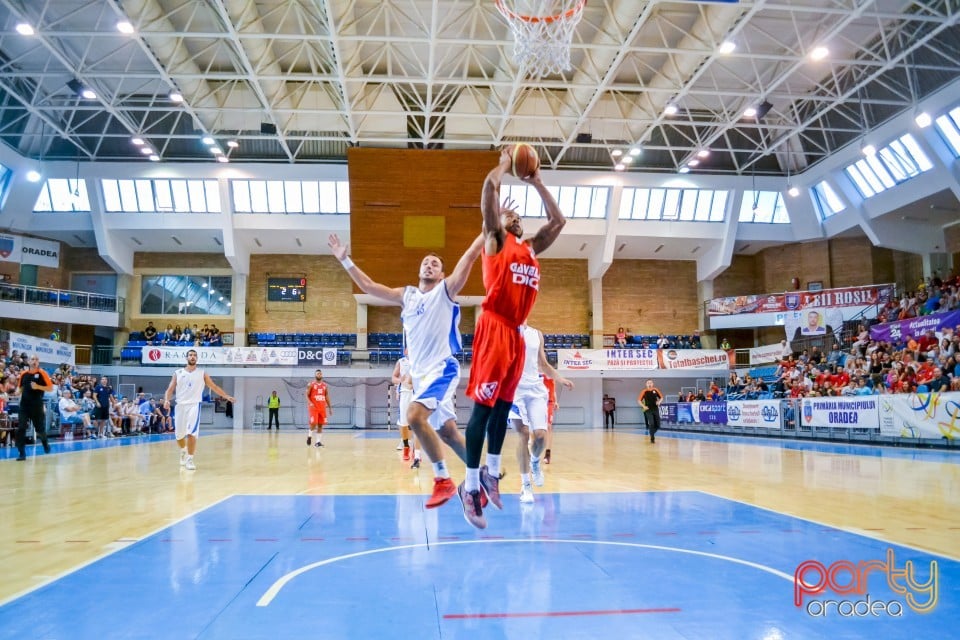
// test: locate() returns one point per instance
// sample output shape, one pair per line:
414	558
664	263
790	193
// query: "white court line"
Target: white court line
856	532
126	543
280	583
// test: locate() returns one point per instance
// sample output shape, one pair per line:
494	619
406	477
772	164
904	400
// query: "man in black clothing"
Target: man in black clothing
650	399
609	411
33	384
150	333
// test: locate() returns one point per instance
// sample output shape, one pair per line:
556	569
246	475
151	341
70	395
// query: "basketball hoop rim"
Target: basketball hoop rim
566	15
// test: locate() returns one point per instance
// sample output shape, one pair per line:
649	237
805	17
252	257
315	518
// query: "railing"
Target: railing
60	298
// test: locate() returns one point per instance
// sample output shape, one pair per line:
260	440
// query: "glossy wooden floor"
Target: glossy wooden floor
61	511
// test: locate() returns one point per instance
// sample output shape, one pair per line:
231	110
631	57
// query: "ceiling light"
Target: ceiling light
728	46
819	53
693	163
212	291
670	109
207	140
616	153
88	94
635	151
221	299
125	27
145	150
923	120
793	192
233	144
216	151
868	150
626	159
154	158
24	29
137	141
229	304
175	96
619	166
33	176
684	169
223	159
749	112
703	153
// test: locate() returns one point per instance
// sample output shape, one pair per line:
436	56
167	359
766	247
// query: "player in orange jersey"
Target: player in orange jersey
552	407
318	407
511	277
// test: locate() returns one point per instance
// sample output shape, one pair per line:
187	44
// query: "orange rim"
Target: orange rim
566	15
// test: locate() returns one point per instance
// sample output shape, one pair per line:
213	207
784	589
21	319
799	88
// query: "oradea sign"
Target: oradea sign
43	253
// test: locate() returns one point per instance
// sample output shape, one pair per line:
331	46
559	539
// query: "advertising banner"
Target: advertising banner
709	412
768	353
222	356
43	253
640	359
860	412
11	247
684	412
668	412
921	415
49	351
317	357
811	323
905	329
754	413
799	300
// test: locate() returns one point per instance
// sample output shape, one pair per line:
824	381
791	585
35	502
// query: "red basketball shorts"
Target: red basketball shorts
318	417
498	353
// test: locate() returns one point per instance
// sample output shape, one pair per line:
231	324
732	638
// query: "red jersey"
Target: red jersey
317	394
551	386
511	279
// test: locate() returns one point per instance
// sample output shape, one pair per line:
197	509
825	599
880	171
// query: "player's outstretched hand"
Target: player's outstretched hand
339	250
566	383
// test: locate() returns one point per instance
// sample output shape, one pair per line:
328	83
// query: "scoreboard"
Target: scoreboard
286	289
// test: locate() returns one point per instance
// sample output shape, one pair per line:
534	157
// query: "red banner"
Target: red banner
794	301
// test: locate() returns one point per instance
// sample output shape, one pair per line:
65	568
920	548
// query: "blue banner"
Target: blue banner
712	412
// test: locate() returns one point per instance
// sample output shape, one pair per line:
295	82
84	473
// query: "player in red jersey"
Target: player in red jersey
552	407
318	407
511	277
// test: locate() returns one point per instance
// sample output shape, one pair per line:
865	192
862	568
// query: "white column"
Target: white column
594	411
596	311
360	403
239	306
361	326
239	407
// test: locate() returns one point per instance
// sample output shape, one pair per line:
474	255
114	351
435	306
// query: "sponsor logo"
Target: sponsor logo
577	362
770	413
154	355
807	413
6	247
525	274
844	577
733	412
792	301
486	390
40	252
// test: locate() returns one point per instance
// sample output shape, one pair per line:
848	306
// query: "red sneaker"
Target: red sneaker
443	490
406	453
472	511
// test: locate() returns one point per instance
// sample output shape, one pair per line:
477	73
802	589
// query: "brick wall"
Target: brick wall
808	261
740	278
180	261
851	262
650	296
330	305
563	304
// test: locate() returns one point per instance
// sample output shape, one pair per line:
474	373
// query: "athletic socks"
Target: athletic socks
440	470
524	478
493	465
472	481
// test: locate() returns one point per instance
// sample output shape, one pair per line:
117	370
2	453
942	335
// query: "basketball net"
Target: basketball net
542	32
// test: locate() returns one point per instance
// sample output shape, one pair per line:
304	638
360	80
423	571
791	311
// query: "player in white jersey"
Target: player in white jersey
404	383
430	322
530	410
188	383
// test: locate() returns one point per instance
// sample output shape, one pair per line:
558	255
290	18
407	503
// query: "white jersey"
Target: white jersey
190	386
431	322
404	387
531	362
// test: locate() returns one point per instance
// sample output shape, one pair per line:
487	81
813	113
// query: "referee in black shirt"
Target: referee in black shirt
650	399
34	382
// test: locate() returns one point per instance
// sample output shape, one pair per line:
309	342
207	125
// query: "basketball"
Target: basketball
525	160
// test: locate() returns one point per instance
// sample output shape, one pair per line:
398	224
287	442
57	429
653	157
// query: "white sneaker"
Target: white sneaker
189	466
183	457
526	494
400	447
536	472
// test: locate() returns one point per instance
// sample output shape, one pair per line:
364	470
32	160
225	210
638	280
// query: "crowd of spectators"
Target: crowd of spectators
78	400
207	336
623	340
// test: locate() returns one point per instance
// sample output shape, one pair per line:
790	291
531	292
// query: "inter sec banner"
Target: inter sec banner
754	413
904	329
640	359
49	351
921	415
221	356
858	412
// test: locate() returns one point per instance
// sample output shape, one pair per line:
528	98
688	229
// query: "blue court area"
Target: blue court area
630	565
86	444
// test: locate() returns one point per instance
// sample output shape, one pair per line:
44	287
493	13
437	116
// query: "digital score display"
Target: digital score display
286	289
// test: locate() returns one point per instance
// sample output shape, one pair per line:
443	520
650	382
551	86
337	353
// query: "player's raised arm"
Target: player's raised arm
555	219
365	282
493	231
457	279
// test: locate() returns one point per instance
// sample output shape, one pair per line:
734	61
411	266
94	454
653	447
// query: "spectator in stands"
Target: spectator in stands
150	333
167	335
725	344
177	333
700	397
695	340
663	342
835	357
216	340
70	414
187	336
620	339
940	381
926	342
